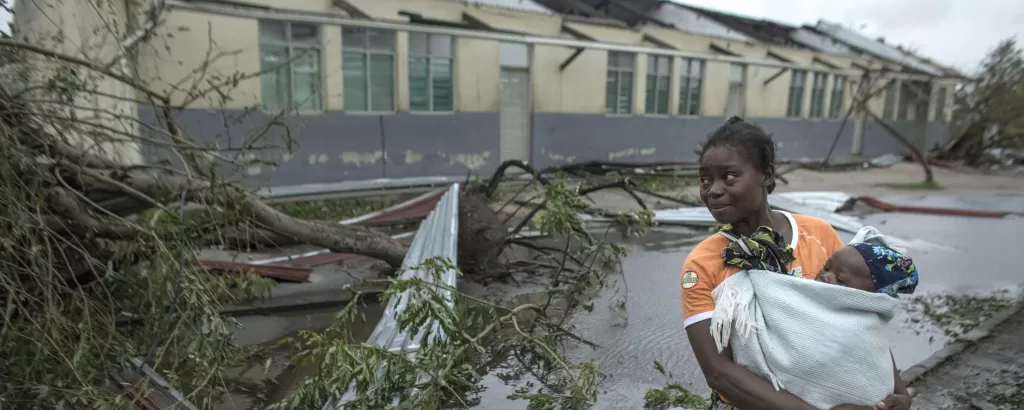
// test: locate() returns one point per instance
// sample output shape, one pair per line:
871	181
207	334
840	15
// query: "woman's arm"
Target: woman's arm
900	399
742	388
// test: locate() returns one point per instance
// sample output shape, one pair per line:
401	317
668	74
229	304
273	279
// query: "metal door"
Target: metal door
514	114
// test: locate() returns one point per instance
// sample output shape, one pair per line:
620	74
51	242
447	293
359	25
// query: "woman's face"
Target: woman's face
730	186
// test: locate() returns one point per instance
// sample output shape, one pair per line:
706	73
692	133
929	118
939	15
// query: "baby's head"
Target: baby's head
873	268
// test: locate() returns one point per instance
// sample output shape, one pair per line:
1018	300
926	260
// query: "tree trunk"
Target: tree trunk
165	188
928	177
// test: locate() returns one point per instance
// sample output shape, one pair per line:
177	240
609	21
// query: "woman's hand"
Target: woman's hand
894	402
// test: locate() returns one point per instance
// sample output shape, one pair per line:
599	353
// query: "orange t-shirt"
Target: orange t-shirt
814	241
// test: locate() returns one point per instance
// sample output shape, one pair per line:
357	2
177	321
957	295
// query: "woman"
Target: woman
737	172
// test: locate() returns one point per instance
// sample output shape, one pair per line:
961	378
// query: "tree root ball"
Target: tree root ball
481	233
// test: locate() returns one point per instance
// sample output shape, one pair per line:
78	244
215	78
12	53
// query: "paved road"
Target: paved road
986	376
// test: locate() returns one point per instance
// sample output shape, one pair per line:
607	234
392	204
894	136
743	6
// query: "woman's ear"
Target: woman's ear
769	181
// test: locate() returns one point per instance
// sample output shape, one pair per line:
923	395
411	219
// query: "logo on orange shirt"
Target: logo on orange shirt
689	279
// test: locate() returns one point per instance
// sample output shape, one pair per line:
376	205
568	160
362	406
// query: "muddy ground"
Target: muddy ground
986	376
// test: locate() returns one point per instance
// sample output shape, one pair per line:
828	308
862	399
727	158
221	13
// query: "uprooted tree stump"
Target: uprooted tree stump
481	233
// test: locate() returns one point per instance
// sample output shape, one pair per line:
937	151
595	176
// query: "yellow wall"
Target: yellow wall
169	60
90	30
388	9
476	63
477	77
579	88
515	21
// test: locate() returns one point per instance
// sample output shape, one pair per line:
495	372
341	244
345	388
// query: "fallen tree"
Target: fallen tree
988	109
91	240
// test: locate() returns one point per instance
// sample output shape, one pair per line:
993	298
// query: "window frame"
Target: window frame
819	84
619	73
837	105
430	58
741	84
665	77
686	86
290	46
366	51
889	105
940	104
796	104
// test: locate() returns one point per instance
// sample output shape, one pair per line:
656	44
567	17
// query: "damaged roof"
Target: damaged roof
523	5
632	12
759	29
876	48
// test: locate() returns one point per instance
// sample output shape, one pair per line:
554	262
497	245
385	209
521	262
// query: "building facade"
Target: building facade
371	89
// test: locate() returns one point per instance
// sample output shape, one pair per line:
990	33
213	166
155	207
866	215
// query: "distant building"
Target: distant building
404	88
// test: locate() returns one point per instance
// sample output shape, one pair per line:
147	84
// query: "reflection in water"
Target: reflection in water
269	329
650	331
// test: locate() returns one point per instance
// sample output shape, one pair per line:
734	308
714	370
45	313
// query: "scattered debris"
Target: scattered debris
886	160
148	390
956	315
888	207
285	273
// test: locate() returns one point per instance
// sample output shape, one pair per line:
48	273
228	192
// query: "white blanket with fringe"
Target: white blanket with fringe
824	343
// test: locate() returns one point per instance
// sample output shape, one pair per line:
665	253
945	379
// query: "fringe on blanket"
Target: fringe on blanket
733	306
734	313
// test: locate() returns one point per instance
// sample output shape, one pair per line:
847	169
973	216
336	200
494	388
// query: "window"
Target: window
735	102
904	103
690	86
431	79
835	105
290	57
818	95
889	105
619	91
659	73
795	106
940	105
913	100
368	68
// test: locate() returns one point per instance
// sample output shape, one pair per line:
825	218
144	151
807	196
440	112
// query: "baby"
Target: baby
873	268
864	266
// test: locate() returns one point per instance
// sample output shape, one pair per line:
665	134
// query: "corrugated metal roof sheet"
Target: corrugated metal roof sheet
880	50
527	5
437	236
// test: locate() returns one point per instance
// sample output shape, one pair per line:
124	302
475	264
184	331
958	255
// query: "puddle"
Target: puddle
267	330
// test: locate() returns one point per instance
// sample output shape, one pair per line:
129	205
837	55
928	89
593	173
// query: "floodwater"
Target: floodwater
954	256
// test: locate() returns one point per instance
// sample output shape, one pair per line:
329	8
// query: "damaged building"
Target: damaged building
413	88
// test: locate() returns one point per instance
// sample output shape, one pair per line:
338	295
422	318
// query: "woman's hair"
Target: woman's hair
749	139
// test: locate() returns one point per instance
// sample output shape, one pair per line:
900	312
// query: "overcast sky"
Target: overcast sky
955	32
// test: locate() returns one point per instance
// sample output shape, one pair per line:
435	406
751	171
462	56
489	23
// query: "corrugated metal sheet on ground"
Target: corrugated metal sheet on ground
437	236
287	273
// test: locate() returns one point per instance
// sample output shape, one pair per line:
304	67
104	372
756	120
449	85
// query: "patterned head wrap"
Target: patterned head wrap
765	249
892	272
